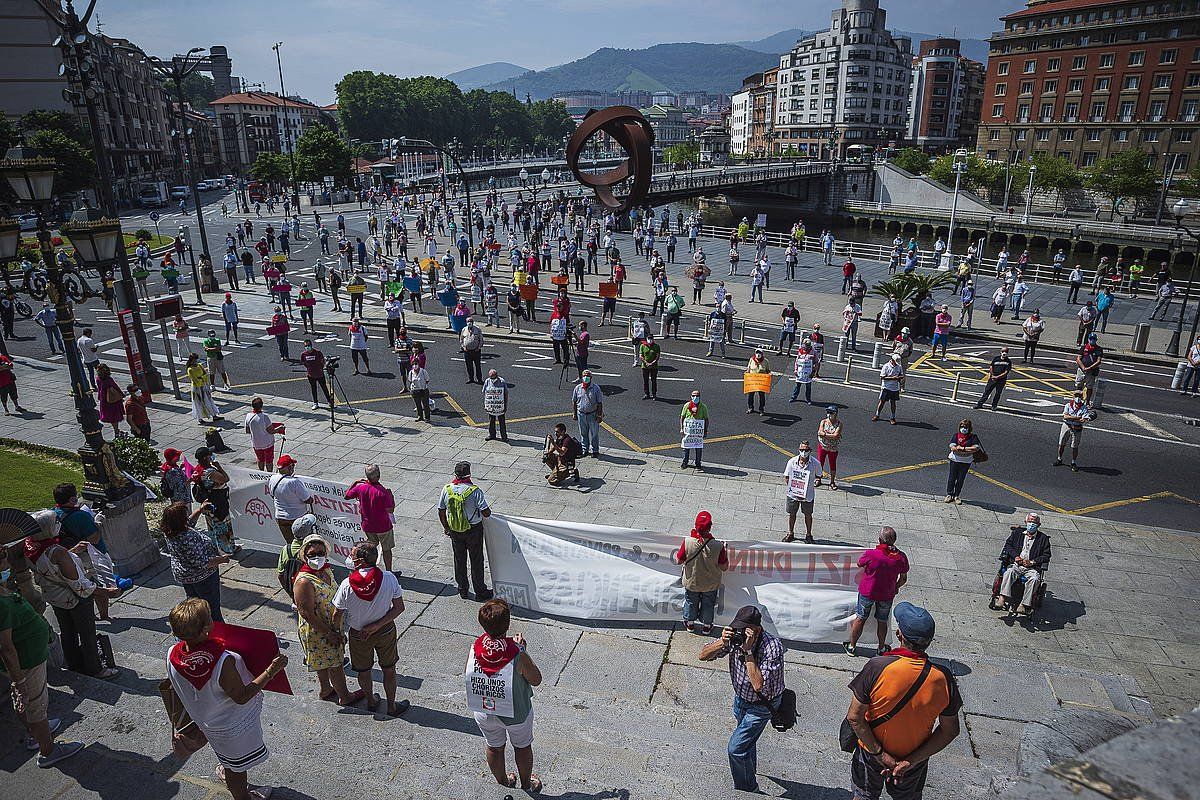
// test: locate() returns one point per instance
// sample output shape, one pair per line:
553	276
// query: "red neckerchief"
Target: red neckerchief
458	481
693	407
961	439
366	586
34	548
493	655
701	536
904	651
320	573
198	662
888	550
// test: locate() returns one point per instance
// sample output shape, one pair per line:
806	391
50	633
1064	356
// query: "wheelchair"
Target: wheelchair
1011	602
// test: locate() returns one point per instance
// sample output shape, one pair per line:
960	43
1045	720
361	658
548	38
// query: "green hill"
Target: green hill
667	67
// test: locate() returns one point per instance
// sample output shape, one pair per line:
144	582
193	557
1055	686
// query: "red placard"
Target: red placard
529	292
608	289
560	280
257	648
306	302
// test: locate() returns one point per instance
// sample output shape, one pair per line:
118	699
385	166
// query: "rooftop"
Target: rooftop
259	99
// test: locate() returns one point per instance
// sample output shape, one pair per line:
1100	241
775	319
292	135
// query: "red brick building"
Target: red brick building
1084	79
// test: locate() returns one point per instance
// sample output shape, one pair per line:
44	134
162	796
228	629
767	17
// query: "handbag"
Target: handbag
186	736
783	718
848	740
981	455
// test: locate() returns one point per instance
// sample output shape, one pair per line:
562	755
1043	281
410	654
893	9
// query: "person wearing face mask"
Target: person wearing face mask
693	410
320	623
829	439
757	365
964	450
1025	556
800	477
587	407
371	599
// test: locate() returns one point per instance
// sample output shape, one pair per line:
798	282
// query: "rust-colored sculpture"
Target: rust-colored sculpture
628	128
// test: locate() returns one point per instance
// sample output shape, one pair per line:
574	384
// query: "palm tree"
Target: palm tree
911	287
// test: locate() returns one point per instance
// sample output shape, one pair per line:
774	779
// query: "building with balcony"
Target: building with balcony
669	125
944	103
845	86
249	123
752	119
1085	79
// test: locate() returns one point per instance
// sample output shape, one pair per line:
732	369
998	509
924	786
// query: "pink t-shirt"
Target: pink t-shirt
881	568
375	504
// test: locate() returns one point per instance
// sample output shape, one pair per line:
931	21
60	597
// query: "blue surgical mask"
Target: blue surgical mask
5	574
1031	527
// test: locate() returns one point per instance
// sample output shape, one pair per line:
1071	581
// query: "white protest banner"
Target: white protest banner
253	511
585	571
489	694
493	400
693	434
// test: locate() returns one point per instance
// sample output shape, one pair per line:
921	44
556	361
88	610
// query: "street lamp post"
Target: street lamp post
77	42
1029	195
288	141
31	177
179	68
1181	209
960	168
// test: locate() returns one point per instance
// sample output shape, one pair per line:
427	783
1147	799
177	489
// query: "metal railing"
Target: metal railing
1074	225
926	259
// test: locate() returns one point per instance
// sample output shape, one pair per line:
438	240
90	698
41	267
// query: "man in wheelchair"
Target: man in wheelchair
1023	563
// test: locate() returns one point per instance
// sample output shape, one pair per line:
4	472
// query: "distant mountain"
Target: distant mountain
663	67
475	77
782	42
776	43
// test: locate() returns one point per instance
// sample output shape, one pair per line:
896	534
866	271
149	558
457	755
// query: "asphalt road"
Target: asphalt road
1136	461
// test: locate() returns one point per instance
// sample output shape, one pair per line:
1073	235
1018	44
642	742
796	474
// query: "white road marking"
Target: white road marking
531	366
1150	426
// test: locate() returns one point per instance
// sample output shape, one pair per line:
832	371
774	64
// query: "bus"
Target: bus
256	191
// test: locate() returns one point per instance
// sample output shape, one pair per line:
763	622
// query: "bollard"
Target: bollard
876	355
629	334
1098	393
662	325
849	364
841	356
1141	336
742	335
1177	379
957	381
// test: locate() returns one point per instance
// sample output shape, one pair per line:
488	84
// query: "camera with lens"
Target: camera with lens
737	637
331	363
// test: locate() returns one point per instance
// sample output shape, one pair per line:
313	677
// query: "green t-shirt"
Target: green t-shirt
30	631
650	353
701	411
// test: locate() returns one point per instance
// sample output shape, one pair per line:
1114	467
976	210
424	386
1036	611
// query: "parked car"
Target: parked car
29	222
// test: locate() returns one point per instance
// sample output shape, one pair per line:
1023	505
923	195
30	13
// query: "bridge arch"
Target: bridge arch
1133	252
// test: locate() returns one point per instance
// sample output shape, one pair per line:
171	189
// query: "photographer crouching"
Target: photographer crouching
756	669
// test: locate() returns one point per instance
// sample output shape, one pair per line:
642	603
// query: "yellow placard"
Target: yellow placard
279	258
428	264
756	382
355	288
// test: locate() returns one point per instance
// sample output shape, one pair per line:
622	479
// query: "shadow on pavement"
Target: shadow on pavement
806	791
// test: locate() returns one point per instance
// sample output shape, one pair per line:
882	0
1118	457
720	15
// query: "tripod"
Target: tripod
336	388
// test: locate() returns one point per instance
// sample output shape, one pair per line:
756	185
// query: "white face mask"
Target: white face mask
316	562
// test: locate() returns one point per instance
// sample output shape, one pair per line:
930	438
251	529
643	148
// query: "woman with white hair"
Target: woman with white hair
320	624
65	585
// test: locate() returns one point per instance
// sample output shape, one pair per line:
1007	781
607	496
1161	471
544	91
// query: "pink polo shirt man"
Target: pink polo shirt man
375	507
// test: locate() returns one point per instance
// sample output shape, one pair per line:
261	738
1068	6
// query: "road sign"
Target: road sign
155	216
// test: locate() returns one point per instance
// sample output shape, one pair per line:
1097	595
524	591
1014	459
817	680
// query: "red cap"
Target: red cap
285	461
703	522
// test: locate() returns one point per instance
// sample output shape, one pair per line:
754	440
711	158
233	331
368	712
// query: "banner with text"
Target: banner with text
585	571
253	511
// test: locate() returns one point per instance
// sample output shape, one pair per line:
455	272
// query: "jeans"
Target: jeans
698	452
1104	319
807	392
492	420
77	627
313	383
992	386
282	341
589	433
209	590
1073	292
756	290
958	474
699	605
53	334
852	334
650	381
469	544
231	326
1192	374
1017	299
713	344
752	719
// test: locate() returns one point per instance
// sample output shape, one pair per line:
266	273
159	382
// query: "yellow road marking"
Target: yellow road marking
1119	503
378	399
534	419
1019	493
267	383
624	439
454	404
893	470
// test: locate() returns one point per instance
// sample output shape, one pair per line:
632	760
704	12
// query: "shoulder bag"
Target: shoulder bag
848	740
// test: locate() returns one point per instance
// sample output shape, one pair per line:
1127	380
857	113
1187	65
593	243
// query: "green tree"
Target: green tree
1053	173
371	105
76	167
550	121
8	134
198	90
1189	186
981	175
270	168
682	153
321	152
65	123
913	160
1127	174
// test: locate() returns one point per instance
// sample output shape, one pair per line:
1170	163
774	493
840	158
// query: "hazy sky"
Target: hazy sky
324	39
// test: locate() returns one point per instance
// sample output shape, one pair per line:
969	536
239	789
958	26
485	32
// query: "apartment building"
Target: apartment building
946	96
1084	79
249	123
845	86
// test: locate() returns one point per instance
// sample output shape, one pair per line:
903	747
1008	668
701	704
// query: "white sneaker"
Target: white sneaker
315	406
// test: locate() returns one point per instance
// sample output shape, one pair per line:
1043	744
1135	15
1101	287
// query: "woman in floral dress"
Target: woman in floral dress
320	624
